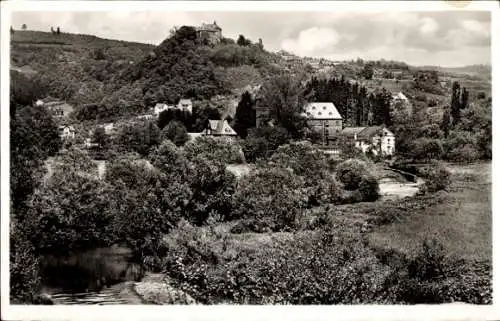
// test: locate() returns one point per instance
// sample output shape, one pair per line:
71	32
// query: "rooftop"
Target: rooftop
322	110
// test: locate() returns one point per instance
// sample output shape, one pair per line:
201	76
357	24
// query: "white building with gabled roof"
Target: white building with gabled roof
324	118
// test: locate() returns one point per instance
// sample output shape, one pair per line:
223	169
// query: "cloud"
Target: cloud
429	25
312	40
476	27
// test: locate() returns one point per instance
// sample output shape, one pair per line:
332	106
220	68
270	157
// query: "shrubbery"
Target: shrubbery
217	149
273	196
357	180
436	176
176	132
262	142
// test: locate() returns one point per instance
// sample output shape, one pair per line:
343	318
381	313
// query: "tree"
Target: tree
242	41
446	122
245	116
139	137
284	96
11	30
367	71
24	26
100	137
58	30
455	104
212	187
261	142
33	137
271	198
72	212
175	132
464	102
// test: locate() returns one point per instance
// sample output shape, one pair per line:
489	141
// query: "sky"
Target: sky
441	38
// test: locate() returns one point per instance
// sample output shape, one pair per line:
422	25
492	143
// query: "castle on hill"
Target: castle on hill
212	33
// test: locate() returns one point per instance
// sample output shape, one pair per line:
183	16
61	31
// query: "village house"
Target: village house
375	139
159	108
67	132
219	128
183	105
400	98
212	33
146	116
324	118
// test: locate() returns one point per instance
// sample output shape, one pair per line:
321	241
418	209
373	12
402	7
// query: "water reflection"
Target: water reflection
90	270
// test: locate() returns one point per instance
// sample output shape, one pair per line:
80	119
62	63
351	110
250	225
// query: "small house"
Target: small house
185	105
159	108
377	139
219	128
67	132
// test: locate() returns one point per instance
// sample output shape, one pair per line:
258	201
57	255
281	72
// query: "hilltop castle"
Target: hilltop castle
210	32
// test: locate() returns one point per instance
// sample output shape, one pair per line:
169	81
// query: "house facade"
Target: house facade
375	139
219	128
210	32
183	105
67	132
401	100
325	119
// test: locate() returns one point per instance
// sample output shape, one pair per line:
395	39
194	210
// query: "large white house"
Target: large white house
324	118
375	139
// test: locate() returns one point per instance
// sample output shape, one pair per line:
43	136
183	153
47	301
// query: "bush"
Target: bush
24	268
436	176
290	271
212	187
425	149
429	263
464	154
275	196
170	160
140	137
218	149
350	173
262	142
359	183
175	132
72	212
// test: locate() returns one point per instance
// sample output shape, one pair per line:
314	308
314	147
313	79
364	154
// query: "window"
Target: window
319	113
313	107
330	113
324	107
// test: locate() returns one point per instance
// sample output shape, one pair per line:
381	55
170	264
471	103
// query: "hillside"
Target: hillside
122	78
126	77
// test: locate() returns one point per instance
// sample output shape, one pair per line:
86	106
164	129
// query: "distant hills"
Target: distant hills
128	77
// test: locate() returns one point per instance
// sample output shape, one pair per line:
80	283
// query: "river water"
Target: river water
100	276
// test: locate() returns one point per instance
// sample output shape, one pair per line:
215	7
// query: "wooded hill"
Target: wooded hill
120	78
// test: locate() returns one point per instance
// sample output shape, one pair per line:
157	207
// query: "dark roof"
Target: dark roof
352	130
371	131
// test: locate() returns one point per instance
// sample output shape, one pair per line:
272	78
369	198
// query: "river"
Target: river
100	276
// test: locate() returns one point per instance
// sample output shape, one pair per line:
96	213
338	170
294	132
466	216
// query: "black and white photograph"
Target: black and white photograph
245	155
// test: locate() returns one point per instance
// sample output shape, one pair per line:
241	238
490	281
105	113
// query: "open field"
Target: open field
462	223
